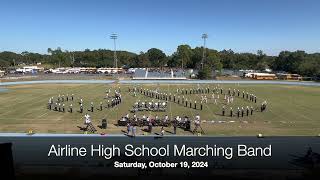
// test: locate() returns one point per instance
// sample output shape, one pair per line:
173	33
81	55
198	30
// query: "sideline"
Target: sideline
276	82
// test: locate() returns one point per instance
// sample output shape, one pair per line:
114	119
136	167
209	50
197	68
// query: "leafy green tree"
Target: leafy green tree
205	73
173	60
141	60
156	57
293	62
310	67
184	55
196	58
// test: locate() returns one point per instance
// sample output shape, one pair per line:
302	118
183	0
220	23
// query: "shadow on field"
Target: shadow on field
82	128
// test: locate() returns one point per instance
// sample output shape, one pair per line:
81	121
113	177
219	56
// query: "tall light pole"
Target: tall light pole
204	37
115	59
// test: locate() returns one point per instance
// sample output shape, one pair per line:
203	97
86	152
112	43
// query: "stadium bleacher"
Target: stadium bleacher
158	74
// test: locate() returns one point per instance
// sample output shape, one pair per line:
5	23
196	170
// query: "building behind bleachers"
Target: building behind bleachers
155	73
285	76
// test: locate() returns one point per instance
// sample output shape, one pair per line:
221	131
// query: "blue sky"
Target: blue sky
240	25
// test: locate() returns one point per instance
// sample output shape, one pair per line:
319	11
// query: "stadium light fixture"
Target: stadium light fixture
204	37
114	37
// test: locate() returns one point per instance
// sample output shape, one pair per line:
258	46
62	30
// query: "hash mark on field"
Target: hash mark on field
42	115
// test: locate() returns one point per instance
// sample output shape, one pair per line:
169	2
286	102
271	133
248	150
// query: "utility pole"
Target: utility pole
204	37
182	63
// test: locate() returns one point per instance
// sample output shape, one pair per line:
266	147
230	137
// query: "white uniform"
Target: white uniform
197	121
87	119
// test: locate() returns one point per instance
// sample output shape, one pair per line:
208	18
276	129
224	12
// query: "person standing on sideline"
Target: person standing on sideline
175	124
134	131
162	131
128	128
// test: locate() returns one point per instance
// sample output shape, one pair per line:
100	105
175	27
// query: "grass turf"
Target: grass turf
291	110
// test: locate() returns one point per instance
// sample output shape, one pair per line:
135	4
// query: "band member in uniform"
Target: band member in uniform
238	113
251	109
87	120
56	107
49	104
166	118
91	106
70	108
223	110
262	107
81	108
247	110
100	106
231	112
242	111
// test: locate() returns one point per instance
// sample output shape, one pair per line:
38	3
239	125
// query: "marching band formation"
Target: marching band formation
158	103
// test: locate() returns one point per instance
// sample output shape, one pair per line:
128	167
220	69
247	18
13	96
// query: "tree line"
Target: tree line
184	57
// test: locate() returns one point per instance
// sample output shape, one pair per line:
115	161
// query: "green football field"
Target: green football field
291	110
